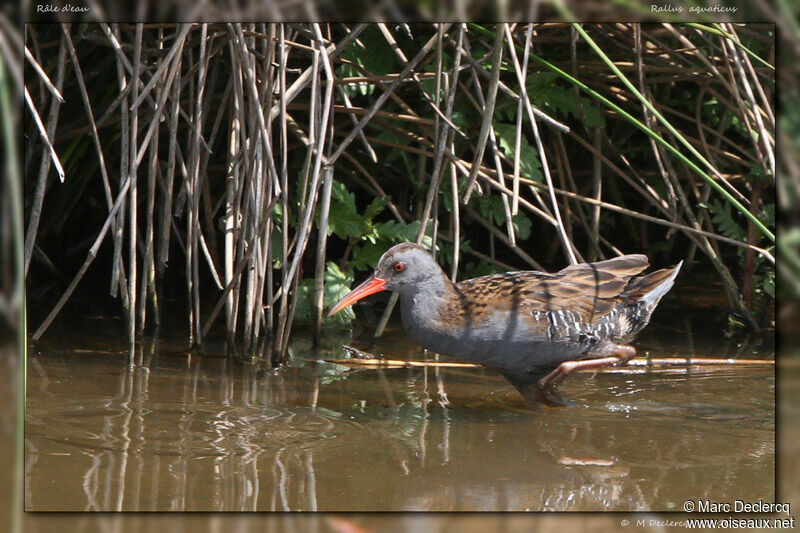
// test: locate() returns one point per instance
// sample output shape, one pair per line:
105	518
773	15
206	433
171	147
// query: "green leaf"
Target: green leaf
337	285
464	120
522	226
377	56
366	257
277	246
392	153
429	85
491	208
475	269
361	88
387	234
344	220
546	93
371	52
768	283
374	208
724	221
529	165
767	215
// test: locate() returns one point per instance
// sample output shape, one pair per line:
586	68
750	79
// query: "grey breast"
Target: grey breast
502	341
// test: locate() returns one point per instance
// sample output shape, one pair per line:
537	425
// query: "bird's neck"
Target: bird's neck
422	302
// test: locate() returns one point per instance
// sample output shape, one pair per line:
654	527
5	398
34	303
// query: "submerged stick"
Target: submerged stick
360	358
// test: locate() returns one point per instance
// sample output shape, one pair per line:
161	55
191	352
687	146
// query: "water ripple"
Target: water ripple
171	428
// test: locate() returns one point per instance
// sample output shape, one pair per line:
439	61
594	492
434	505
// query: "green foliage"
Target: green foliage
714	114
373	237
369	239
391	155
462	117
366	256
360	229
429	86
530	166
767	282
764	275
732	226
491	208
723	219
344	220
476	269
337	285
767	214
548	92
729	225
370	52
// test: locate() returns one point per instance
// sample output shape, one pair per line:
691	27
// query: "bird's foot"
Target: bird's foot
548	396
622	354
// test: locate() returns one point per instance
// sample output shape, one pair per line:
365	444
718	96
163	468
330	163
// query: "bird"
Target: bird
534	328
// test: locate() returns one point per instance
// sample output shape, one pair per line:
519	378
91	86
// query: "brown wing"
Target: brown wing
591	290
594	289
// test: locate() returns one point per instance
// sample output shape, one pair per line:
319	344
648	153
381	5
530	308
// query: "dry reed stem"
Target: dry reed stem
44	166
43	76
173	83
384	96
90	256
488	111
417	80
476	66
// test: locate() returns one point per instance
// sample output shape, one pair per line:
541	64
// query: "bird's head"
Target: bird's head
404	267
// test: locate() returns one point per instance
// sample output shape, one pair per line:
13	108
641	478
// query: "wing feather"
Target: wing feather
591	290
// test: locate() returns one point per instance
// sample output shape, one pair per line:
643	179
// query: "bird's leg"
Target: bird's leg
548	396
622	354
528	387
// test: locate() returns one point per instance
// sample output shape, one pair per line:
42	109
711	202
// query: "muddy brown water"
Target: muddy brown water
172	429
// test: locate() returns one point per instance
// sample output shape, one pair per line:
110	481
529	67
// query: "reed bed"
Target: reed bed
238	158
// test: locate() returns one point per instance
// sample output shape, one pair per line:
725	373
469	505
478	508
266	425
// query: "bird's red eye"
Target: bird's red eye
399	267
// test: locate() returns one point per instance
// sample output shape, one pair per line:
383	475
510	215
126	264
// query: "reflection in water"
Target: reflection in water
165	429
193	432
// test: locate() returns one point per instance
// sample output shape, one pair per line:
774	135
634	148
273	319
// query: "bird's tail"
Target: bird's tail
651	288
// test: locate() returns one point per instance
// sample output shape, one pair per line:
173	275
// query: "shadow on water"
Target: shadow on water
187	431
